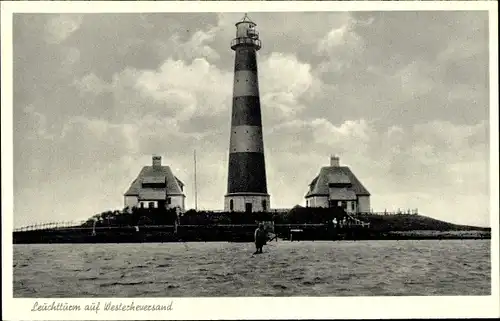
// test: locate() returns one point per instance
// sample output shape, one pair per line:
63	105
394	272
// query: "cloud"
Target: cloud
341	45
59	28
283	80
70	57
414	79
36	124
90	83
197	47
202	89
98	130
339	37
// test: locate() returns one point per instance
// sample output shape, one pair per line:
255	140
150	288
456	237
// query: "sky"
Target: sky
401	97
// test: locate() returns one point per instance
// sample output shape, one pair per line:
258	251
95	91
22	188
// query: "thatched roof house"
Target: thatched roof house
156	186
337	185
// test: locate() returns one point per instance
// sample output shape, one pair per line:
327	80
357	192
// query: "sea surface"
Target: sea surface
367	268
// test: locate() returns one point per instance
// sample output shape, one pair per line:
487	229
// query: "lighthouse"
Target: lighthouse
246	185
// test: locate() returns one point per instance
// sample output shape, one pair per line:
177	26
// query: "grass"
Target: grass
409	222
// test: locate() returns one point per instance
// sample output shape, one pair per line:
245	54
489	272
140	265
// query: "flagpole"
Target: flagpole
195	185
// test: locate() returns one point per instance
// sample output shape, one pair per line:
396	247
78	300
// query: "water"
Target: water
371	268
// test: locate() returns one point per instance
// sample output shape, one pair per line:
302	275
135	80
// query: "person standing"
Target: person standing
260	237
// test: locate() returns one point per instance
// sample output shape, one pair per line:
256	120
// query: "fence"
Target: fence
399	211
49	226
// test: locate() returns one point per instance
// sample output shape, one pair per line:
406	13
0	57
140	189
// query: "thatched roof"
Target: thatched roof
335	175
172	186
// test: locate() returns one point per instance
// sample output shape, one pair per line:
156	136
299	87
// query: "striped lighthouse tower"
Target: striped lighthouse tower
247	185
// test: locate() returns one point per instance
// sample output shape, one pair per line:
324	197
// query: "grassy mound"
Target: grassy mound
412	222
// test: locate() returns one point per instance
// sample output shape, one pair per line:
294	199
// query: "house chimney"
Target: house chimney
334	161
156	161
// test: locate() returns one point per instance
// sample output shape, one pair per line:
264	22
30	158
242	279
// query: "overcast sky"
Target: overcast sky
401	97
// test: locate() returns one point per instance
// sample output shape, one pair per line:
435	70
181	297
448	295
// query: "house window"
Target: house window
169	200
231	205
151	204
142	204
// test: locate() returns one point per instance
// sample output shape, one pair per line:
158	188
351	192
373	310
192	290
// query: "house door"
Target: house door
248	207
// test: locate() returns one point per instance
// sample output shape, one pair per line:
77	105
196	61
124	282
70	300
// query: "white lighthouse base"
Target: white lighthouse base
247	202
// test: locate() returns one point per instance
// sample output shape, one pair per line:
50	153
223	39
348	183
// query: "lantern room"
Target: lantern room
246	34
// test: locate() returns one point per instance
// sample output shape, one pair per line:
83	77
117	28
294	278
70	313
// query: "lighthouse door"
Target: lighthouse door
248	207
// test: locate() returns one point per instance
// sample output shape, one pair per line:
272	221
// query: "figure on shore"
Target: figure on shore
260	238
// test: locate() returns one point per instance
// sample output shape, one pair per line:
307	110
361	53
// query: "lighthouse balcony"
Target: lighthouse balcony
246	41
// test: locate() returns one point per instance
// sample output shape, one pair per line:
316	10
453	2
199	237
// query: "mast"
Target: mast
195	185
